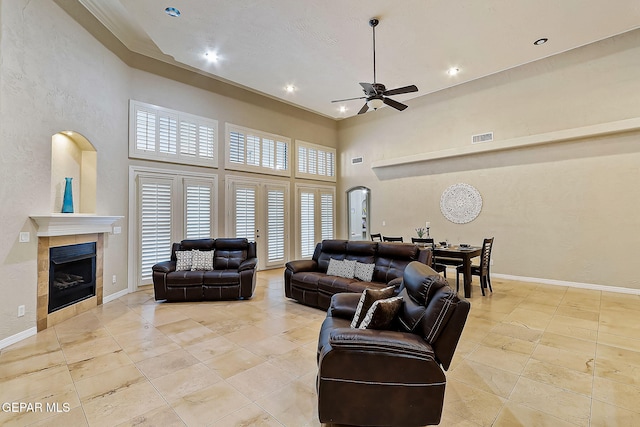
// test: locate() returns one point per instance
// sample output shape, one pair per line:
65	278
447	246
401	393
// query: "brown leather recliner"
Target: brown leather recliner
390	377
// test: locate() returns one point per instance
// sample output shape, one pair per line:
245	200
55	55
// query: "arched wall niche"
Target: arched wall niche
72	155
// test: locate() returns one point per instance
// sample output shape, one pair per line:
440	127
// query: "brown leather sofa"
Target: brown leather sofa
391	377
307	281
233	275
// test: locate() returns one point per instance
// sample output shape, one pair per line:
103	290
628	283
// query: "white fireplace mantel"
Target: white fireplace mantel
63	224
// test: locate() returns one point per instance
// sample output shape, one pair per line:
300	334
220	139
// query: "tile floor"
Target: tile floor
530	355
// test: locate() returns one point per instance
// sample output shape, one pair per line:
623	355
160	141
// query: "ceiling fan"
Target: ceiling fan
376	93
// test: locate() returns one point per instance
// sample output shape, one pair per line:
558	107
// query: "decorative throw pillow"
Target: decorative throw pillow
343	268
368	297
202	260
183	260
364	272
381	313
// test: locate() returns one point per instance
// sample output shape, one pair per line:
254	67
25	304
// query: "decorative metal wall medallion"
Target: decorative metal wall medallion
461	203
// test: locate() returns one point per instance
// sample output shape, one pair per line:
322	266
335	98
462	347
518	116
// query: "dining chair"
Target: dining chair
438	267
376	237
481	270
392	239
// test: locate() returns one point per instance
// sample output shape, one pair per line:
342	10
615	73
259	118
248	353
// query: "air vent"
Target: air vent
482	137
357	160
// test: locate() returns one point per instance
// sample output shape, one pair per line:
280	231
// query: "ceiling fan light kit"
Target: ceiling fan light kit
376	94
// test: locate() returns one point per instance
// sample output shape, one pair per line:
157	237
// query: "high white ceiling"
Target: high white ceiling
324	48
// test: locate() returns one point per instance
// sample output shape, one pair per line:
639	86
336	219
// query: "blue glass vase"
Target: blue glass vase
67	201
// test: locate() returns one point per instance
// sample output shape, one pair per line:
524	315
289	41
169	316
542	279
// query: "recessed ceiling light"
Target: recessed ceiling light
172	11
453	71
290	88
211	56
540	41
343	109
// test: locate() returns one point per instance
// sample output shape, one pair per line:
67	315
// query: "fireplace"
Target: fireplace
72	274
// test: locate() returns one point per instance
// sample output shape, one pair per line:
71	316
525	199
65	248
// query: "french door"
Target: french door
258	211
315	216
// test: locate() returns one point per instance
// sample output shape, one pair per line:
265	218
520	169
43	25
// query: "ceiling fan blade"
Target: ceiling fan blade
369	89
400	90
364	109
395	104
349	99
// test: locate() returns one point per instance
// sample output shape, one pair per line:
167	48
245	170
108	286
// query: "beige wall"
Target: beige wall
56	76
563	211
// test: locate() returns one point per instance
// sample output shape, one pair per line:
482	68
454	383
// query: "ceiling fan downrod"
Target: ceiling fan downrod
373	22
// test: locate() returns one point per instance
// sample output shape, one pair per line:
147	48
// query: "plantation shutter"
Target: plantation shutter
236	147
188	138
155	224
307	223
281	155
198	206
326	215
145	130
167	134
302	159
206	142
268	153
275	225
245	212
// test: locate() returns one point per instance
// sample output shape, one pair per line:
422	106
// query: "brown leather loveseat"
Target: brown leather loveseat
307	280
232	275
392	377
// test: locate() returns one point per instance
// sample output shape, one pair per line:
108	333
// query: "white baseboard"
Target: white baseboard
594	287
115	295
18	337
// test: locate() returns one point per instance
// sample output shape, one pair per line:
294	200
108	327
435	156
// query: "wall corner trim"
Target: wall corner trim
18	337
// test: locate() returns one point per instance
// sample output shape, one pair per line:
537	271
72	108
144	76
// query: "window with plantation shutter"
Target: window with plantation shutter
307	224
326	215
155	199
315	162
245	212
316	212
198	208
275	225
251	150
162	134
169	206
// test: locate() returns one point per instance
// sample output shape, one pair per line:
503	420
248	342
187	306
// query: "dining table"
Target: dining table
456	254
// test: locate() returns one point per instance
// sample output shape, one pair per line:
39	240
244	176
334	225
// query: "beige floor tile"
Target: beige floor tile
40	344
568	343
605	415
560	326
19	367
74	417
233	362
618	341
463	402
166	363
150	344
87	350
206	406
185	381
577	382
123	404
250	415
563	404
617	370
294	405
505	342
507	360
261	380
528	318
578	313
24	387
271	347
164	416
302	335
99	364
298	362
577	361
518	331
107	383
484	377
187	332
618	354
208	349
614	393
248	335
514	415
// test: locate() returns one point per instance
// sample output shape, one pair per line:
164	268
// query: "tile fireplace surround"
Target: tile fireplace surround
56	230
43	317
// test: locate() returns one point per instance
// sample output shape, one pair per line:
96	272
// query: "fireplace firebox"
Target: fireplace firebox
72	274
